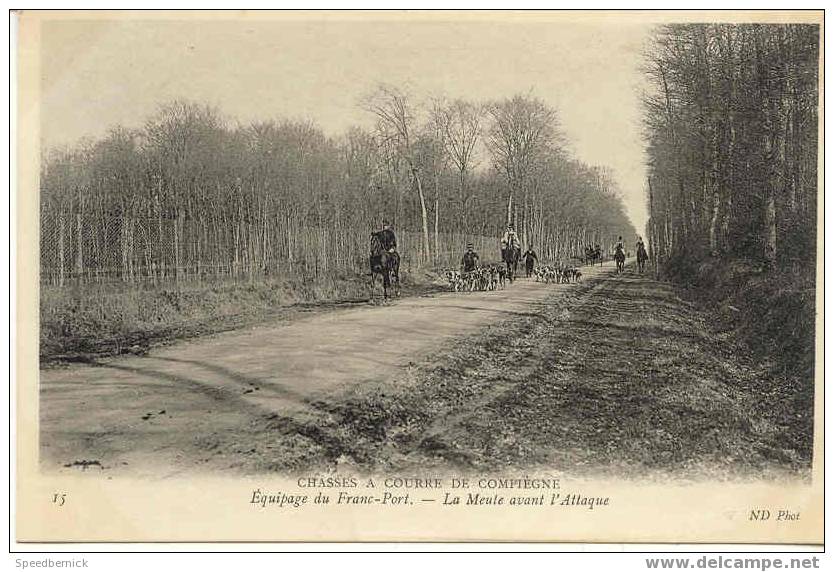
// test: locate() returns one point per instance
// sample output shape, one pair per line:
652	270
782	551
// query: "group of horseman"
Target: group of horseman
620	254
510	242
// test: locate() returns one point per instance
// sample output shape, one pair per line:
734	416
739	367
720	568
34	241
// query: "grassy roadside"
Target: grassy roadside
93	321
772	312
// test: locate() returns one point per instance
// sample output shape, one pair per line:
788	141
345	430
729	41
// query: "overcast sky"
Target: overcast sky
99	74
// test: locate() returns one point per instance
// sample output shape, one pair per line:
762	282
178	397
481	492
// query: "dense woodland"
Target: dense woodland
192	195
732	127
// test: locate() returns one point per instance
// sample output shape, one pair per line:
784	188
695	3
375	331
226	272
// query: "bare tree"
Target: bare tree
397	126
191	197
521	129
459	122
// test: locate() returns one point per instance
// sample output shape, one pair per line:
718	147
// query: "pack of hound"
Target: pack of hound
558	274
485	278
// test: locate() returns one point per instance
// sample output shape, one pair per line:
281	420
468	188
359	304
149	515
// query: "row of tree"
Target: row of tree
191	195
731	126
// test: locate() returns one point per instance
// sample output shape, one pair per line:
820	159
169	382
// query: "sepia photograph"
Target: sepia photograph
416	262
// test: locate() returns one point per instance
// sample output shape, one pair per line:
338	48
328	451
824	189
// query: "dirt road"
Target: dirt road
164	411
616	373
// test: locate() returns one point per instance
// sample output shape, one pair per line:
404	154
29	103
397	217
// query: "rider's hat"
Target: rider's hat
470	245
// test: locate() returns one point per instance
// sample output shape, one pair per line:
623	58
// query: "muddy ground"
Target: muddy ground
618	375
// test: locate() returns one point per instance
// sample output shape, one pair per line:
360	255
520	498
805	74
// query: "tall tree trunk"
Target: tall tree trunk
79	254
770	225
463	210
60	248
424	213
176	225
437	230
713	224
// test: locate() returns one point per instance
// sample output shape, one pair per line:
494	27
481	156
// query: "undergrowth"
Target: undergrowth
82	322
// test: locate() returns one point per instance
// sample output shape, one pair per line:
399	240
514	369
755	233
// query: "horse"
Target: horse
384	264
589	255
620	257
593	255
510	255
642	257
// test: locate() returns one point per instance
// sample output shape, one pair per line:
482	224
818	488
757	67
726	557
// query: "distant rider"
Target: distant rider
640	247
510	238
470	260
530	260
620	247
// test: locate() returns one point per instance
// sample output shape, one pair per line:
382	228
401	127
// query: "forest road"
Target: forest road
168	412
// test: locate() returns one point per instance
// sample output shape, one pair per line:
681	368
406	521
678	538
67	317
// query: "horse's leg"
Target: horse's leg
395	275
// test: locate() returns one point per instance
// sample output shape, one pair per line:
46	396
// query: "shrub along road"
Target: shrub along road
617	374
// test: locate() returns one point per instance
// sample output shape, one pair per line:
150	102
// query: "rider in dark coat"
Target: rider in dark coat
389	239
530	260
470	260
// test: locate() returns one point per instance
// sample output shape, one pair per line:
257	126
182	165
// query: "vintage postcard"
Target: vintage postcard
419	276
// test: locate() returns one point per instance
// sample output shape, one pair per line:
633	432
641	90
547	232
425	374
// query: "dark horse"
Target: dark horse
642	257
384	264
511	254
620	257
593	255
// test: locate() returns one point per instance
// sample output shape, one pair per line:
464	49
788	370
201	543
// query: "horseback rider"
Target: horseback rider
642	255
470	260
510	238
620	247
388	238
640	247
530	259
